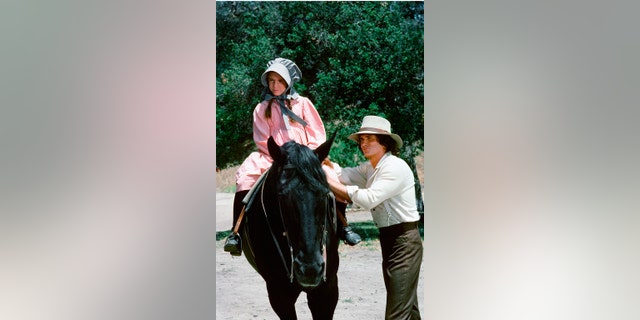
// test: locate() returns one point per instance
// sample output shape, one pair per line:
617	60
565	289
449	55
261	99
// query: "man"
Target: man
385	185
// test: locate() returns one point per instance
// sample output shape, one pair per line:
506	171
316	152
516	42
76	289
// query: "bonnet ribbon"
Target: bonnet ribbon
286	111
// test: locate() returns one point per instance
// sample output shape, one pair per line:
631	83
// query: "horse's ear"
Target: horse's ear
323	150
274	150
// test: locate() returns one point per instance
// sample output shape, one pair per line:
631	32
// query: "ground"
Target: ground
241	293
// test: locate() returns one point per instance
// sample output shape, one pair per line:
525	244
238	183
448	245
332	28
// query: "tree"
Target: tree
357	59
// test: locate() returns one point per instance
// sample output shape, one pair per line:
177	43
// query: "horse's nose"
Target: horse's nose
309	272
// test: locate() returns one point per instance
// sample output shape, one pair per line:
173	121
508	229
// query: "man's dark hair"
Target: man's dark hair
388	143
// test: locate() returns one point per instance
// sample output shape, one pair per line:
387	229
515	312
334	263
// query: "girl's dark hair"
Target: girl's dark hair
267	112
387	142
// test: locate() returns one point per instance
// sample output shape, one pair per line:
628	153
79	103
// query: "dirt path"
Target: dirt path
241	292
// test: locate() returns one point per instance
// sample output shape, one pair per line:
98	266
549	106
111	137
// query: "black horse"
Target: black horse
289	232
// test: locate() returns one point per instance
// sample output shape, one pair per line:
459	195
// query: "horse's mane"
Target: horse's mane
306	166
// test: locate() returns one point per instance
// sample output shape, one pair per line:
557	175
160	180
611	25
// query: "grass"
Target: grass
366	229
221	235
229	189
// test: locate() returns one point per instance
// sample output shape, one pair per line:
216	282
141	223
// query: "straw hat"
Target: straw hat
376	125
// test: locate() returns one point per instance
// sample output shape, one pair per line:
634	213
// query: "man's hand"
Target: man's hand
327	162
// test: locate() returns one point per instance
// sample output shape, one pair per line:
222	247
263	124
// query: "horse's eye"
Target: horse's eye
287	173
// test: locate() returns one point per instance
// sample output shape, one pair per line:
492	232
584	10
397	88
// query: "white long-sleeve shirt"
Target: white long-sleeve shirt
387	190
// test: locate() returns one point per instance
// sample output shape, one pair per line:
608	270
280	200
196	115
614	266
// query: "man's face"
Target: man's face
370	146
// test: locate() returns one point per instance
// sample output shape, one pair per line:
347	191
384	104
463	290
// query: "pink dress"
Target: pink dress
258	162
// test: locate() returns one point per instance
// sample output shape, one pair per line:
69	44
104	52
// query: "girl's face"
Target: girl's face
277	85
371	147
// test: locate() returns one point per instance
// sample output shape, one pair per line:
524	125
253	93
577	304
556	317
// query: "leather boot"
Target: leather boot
345	233
233	243
350	237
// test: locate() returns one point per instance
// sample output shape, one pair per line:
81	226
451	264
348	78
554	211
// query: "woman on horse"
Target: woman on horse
284	115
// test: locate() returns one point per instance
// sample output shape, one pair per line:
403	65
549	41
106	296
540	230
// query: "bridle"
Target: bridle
328	217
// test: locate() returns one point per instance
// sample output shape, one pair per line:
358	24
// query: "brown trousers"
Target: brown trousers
401	259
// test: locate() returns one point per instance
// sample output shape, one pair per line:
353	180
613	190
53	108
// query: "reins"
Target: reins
325	234
273	236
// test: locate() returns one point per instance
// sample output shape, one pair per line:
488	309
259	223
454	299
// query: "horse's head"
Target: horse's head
305	204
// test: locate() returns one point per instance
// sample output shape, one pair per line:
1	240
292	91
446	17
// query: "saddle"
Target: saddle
249	199
251	195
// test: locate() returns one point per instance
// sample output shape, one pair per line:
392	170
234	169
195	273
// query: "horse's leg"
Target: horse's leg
323	300
283	299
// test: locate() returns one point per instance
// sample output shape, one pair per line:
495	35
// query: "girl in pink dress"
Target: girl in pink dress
284	115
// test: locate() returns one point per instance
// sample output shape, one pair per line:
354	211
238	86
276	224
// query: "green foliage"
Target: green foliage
368	230
357	59
221	235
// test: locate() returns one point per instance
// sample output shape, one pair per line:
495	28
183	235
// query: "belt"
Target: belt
397	229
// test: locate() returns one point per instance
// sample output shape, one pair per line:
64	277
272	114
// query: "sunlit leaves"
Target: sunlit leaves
357	58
